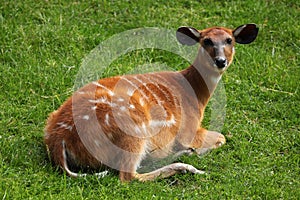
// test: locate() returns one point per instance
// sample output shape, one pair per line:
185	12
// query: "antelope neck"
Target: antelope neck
202	80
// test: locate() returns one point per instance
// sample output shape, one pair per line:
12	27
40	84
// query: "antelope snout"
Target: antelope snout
220	62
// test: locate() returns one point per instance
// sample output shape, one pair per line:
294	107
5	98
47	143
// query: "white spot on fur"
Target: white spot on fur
86	117
163	123
103	87
142	102
107	119
100	100
65	126
131	106
94	107
103	100
144	128
130	92
120	100
122	108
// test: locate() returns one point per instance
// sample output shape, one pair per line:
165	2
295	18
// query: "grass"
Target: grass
42	46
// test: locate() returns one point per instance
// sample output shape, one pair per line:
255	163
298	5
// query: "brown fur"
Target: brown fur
162	118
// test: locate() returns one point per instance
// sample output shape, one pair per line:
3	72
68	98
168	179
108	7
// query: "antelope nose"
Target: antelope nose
220	62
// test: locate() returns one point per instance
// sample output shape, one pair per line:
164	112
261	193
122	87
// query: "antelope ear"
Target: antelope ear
187	35
246	33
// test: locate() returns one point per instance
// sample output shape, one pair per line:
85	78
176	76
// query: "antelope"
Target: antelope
118	123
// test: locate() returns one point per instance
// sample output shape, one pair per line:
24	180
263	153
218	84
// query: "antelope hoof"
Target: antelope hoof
220	141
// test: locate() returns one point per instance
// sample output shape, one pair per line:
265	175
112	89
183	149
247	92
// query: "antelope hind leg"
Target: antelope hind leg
168	171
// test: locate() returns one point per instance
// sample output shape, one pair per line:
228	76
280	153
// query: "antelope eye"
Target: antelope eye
229	41
208	42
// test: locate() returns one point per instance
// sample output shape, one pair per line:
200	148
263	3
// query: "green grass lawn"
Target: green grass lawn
42	46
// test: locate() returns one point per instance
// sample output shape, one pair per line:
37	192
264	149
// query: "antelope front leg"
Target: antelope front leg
205	140
168	171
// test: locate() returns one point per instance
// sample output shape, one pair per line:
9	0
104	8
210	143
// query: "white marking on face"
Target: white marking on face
86	117
107	119
209	62
103	87
94	107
